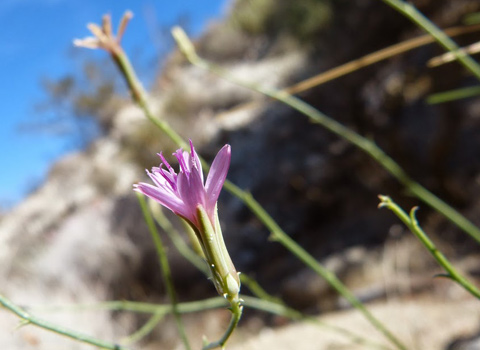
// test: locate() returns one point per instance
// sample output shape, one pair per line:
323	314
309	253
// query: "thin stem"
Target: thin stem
373	58
335	127
141	307
359	63
29	319
140	97
167	274
409	11
453	95
411	222
236	308
269	306
146	329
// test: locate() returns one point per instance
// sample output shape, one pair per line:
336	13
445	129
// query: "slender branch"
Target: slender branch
140	307
411	222
358	64
453	95
27	318
139	95
166	272
269	306
372	58
335	127
409	11
450	57
146	329
236	308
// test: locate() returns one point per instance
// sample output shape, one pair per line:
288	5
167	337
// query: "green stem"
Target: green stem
452	95
146	329
140	307
269	306
335	127
29	319
139	95
167	274
236	308
411	222
409	11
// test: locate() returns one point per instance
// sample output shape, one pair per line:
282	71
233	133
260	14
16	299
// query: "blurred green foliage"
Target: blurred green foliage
302	20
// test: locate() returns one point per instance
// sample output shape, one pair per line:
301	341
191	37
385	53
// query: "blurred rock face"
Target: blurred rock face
81	238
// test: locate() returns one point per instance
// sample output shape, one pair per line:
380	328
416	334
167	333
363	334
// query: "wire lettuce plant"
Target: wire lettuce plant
104	39
186	194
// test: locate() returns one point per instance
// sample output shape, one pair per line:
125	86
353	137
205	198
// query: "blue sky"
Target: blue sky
35	41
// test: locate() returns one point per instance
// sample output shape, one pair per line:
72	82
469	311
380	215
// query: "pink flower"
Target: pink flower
182	193
188	196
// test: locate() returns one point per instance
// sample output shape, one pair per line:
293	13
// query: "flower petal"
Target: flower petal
169	200
184	192
182	158
163	183
191	189
196	163
217	175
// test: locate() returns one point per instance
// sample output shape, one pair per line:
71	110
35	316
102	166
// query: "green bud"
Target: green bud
224	274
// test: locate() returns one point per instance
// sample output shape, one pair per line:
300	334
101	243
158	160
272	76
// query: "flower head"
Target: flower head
103	36
184	191
190	197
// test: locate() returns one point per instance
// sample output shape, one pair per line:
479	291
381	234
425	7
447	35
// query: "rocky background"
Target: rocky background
80	237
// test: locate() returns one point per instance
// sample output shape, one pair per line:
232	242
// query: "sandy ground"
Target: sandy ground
421	324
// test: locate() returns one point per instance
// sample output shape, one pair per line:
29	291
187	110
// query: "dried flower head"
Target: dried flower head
103	37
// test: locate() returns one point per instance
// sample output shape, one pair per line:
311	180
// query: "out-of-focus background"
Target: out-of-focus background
43	76
71	230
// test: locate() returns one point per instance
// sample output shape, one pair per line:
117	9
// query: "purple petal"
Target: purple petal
196	163
169	200
217	175
156	177
164	161
163	183
182	161
191	190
